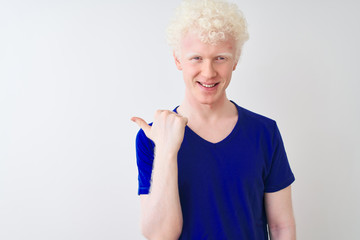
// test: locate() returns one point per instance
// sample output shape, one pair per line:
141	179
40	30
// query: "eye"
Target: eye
220	58
196	58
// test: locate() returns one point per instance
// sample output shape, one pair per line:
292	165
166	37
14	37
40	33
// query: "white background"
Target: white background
72	73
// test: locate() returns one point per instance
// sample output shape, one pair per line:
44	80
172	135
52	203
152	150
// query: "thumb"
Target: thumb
142	124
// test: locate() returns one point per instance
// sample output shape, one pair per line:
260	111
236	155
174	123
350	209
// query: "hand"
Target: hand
167	130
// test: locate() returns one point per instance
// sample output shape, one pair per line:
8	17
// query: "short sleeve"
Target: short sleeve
145	158
280	175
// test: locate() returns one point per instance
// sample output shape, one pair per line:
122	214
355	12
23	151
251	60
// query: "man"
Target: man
211	169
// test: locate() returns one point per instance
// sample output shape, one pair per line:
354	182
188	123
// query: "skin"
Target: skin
280	216
207	108
161	216
209	113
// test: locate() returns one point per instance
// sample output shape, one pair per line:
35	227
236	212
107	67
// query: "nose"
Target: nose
208	70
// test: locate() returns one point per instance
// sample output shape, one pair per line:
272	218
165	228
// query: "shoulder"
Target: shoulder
143	140
251	119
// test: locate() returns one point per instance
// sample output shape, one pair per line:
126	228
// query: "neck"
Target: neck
194	110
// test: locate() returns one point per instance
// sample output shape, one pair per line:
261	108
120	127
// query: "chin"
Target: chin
207	101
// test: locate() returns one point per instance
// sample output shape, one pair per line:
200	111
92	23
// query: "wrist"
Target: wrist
165	153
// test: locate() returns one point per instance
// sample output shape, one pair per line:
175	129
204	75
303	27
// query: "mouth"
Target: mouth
208	85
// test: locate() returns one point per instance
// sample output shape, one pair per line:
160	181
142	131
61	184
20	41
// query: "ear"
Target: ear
238	54
235	64
177	61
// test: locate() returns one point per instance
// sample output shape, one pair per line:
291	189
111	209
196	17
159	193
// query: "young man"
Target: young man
211	169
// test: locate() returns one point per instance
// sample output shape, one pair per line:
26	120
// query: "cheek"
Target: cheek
188	76
226	73
189	71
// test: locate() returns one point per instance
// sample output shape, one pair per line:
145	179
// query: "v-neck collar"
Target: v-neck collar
226	139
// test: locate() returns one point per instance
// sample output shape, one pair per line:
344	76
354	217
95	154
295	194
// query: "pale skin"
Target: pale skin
207	71
161	216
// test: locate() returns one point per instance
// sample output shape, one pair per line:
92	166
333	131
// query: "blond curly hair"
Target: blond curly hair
212	20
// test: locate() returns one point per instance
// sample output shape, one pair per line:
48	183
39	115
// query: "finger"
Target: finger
142	124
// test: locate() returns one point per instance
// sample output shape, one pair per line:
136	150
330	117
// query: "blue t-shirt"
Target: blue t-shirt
222	185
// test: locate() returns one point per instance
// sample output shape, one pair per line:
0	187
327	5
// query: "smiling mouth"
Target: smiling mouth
208	86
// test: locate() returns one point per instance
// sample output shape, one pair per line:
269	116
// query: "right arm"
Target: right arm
161	216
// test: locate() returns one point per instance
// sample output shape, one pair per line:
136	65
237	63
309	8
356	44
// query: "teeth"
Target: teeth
208	86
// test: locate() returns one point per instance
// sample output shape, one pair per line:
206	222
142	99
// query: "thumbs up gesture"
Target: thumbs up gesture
167	130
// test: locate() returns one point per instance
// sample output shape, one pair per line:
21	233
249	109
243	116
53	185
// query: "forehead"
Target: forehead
192	43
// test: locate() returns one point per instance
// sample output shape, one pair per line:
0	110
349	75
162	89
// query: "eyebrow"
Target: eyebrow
190	55
225	54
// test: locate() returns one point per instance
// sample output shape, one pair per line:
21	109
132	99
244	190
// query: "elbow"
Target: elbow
168	231
283	231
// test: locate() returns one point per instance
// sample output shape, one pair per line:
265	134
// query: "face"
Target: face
206	68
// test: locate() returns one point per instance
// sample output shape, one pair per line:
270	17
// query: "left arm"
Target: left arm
280	215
